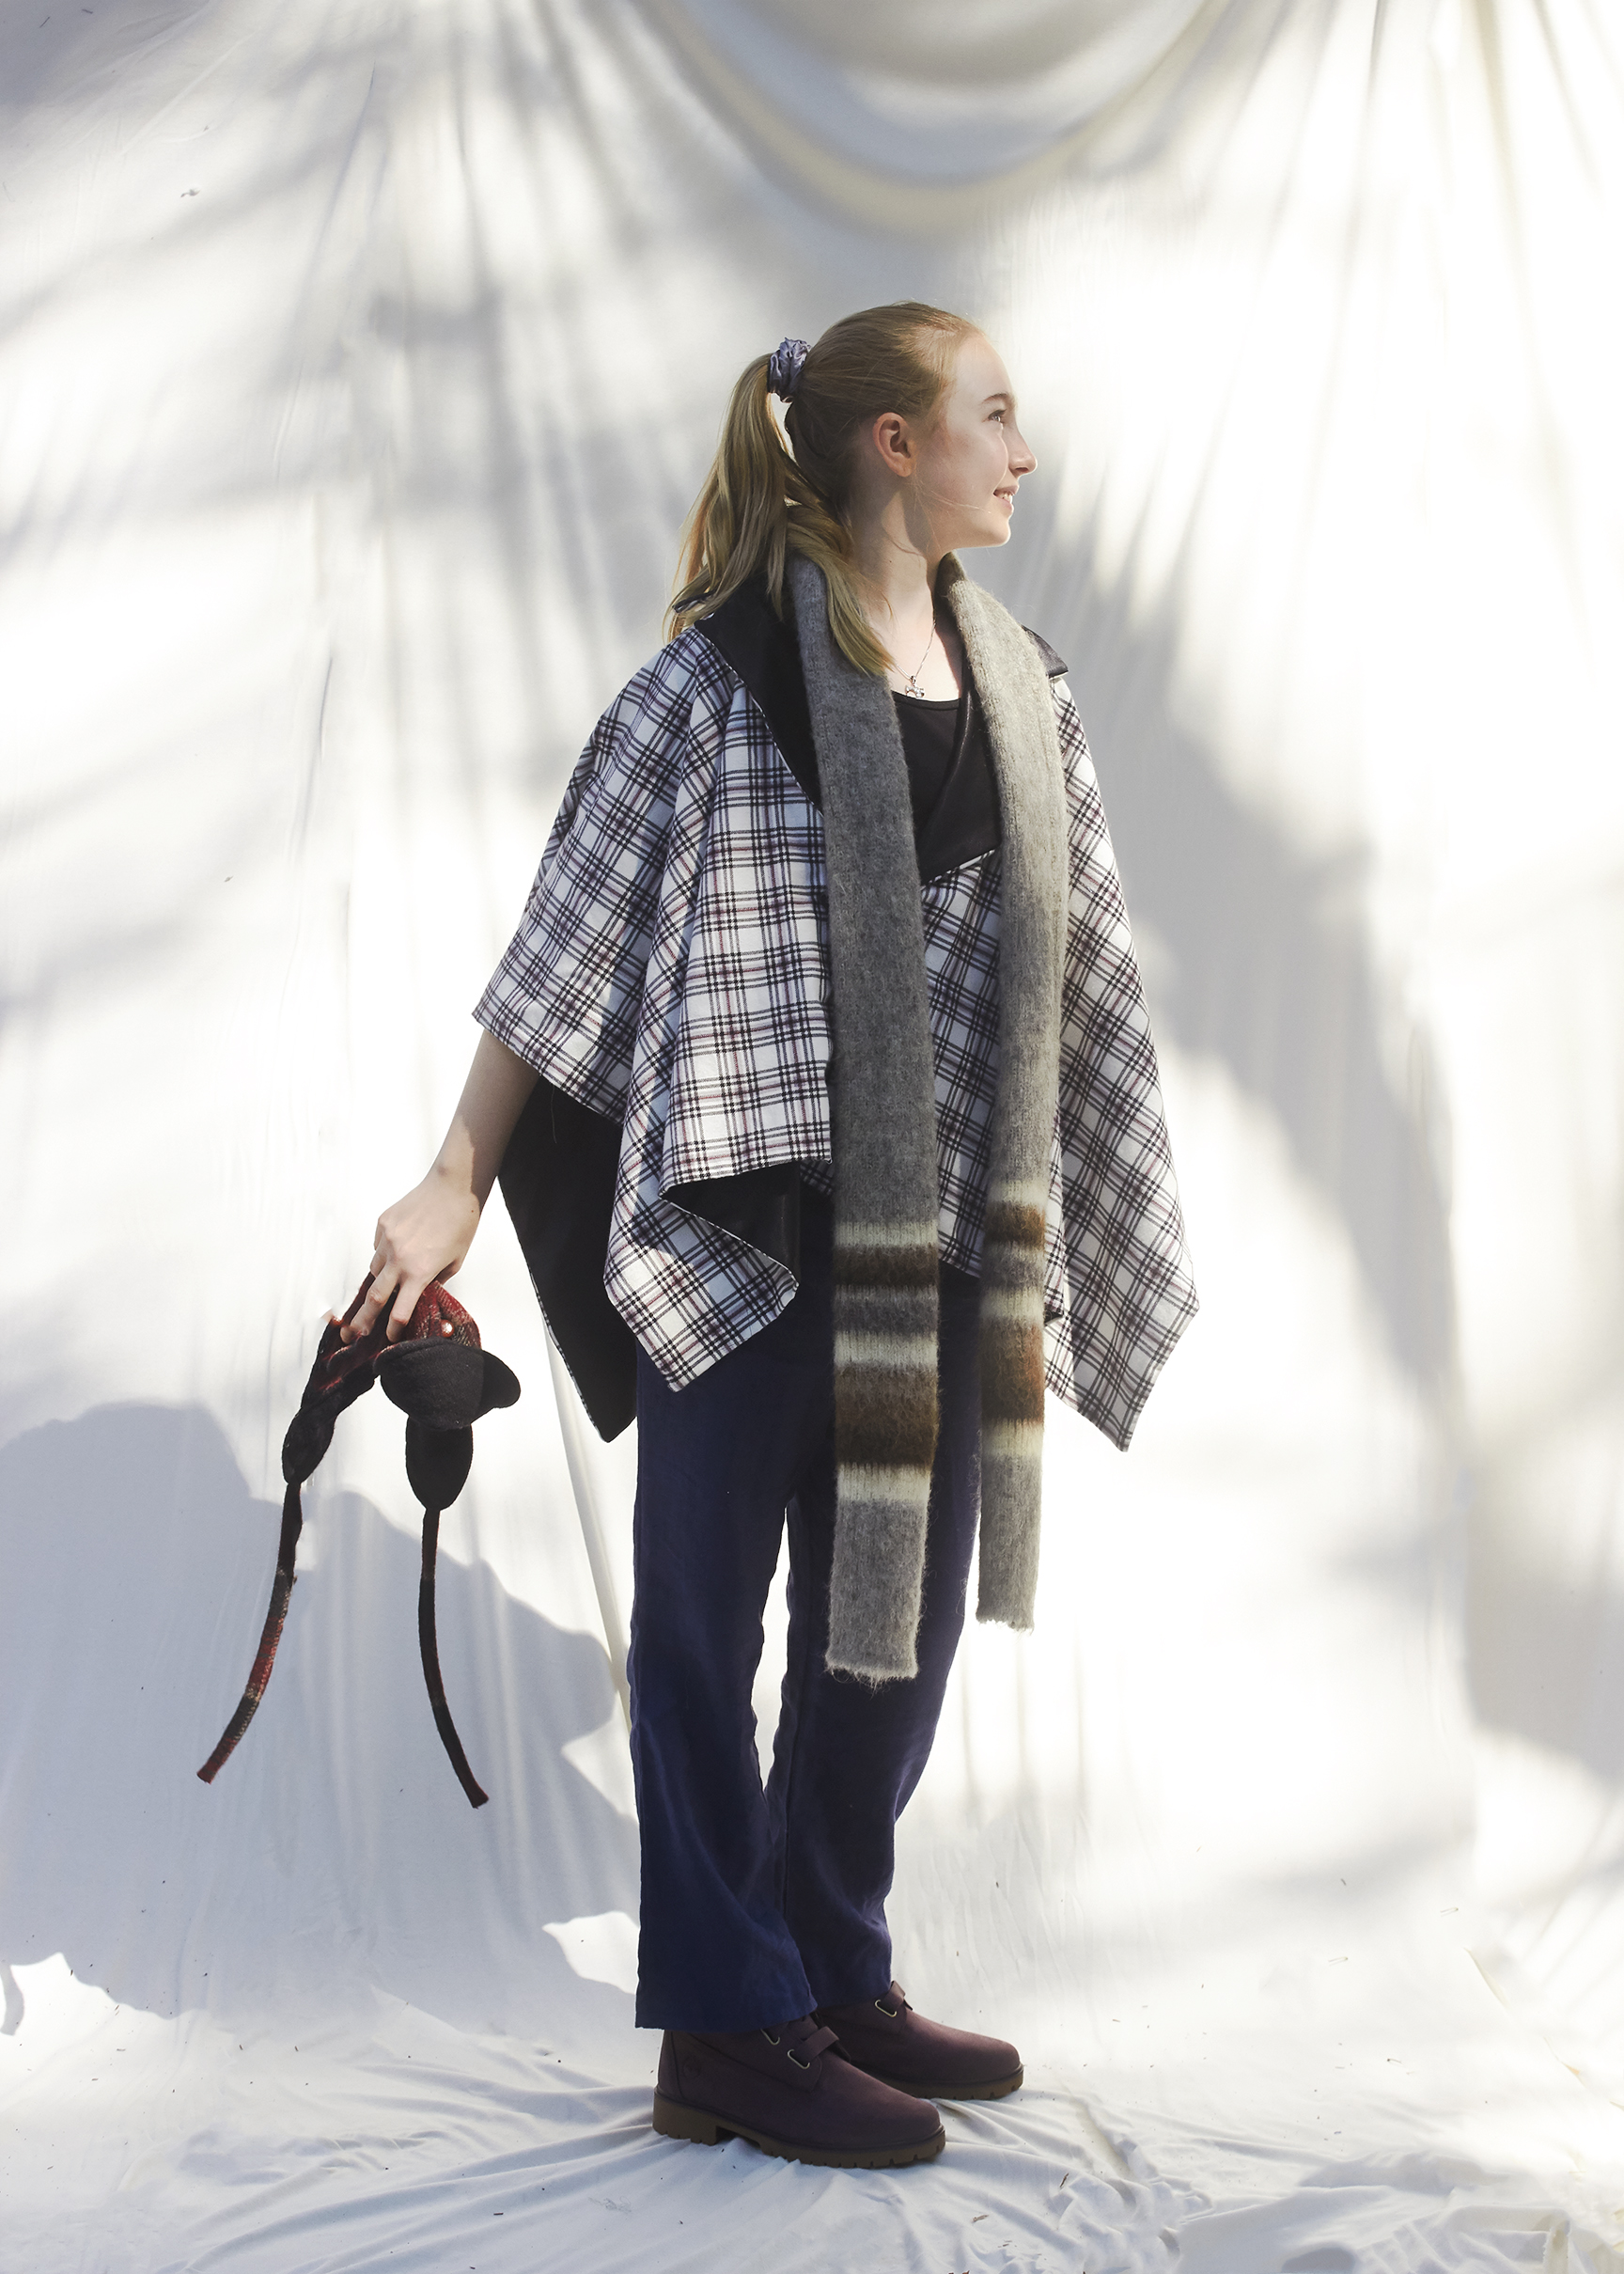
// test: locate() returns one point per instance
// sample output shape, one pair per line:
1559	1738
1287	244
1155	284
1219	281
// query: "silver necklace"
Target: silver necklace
911	684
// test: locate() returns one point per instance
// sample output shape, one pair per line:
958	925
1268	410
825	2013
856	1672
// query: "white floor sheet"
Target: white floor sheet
358	363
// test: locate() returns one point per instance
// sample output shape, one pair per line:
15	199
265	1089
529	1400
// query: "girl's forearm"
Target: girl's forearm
492	1099
427	1231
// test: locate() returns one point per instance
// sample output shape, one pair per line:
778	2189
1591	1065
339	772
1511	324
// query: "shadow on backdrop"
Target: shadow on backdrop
1266	965
335	1857
1269	970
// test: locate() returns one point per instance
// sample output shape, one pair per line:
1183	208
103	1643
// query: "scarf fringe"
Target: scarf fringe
877	1583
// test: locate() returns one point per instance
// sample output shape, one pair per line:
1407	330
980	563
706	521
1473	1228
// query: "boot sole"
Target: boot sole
677	2120
997	2090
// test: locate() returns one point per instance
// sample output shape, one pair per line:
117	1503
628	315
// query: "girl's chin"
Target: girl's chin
988	529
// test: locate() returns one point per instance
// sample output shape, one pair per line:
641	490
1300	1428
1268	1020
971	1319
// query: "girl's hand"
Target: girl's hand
423	1237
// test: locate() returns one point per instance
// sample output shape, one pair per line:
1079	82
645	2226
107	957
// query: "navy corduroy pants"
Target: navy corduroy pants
758	1904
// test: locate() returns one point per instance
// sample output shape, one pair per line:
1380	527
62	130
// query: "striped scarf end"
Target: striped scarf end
862	1347
1020	1307
886	1258
888	1489
1017	1216
1018	1444
1011	1374
918	1232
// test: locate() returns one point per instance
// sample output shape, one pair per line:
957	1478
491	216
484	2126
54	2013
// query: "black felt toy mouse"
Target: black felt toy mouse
442	1380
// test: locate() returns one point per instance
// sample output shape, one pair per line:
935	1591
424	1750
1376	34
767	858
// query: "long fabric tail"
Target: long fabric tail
429	1647
886	1202
265	1656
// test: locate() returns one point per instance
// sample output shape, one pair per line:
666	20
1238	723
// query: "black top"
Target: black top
932	730
954	796
950	781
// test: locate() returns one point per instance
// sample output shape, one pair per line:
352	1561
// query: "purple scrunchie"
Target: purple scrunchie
784	368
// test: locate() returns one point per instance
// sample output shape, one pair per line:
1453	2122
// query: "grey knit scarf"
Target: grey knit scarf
886	1199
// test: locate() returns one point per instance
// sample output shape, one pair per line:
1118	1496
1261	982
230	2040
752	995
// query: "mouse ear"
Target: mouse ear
448	1384
439	1382
437	1461
501	1387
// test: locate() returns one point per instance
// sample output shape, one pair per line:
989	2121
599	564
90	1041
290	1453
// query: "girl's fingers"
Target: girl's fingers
406	1301
378	1295
421	1238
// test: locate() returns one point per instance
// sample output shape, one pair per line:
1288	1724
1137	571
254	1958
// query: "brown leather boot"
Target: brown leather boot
792	2093
888	2039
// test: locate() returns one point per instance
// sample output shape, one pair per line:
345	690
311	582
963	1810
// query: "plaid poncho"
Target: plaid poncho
671	971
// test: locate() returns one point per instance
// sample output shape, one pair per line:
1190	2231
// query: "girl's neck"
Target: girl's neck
897	565
898	572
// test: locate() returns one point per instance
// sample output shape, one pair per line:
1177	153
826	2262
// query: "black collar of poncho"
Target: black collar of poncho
748	633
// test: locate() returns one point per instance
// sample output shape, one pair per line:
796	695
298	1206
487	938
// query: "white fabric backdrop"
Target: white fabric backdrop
360	362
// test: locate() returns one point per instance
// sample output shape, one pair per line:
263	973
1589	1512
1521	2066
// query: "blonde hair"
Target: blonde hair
760	503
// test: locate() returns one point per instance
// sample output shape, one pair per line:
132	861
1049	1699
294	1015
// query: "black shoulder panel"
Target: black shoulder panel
1054	664
746	633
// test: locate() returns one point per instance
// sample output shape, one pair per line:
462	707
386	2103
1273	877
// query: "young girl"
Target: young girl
827	945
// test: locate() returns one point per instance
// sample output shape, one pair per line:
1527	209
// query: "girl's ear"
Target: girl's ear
894	443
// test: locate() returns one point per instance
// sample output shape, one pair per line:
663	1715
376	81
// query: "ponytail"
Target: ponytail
760	503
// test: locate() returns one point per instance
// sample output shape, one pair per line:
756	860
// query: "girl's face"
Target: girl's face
971	461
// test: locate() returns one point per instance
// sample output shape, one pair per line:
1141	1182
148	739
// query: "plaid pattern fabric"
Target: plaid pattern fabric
671	969
1120	1289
